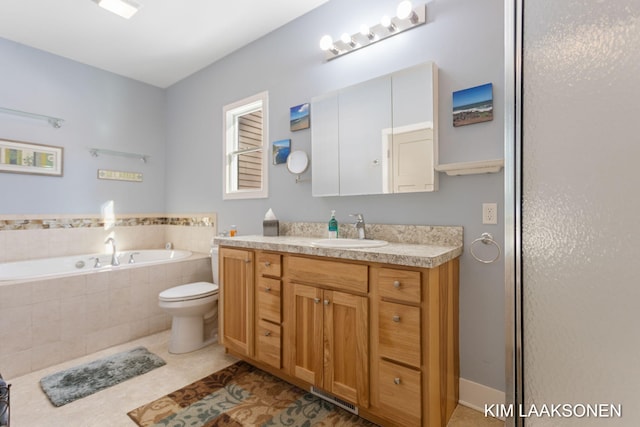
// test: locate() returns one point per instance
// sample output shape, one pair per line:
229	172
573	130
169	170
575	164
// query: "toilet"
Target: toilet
188	306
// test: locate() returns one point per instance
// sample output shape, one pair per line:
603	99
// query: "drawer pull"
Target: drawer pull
396	318
267	333
396	284
267	289
396	380
267	264
316	300
327	302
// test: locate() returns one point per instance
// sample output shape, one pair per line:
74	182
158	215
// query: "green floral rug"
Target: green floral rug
242	396
81	381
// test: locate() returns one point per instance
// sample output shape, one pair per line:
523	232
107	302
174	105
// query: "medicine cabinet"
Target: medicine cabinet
378	136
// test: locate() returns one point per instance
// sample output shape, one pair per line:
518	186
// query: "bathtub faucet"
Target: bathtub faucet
114	257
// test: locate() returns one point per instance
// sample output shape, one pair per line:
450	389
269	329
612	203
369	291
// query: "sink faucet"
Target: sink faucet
359	225
114	258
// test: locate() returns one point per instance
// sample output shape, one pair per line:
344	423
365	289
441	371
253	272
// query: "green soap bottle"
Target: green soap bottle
333	226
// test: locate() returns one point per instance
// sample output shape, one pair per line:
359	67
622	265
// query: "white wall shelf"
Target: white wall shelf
471	168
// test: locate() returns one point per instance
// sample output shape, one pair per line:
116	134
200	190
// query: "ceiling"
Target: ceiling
166	41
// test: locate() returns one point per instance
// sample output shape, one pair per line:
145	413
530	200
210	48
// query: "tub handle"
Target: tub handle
96	264
131	260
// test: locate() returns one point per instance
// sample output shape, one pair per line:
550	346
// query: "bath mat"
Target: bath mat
242	395
81	381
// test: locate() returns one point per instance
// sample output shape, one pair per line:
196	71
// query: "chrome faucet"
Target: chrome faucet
359	225
114	257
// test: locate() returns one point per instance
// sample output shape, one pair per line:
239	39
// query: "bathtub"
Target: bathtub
83	264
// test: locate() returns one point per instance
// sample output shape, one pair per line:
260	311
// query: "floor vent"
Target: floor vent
335	400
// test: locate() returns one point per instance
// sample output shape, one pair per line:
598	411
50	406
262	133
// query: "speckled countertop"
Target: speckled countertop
426	255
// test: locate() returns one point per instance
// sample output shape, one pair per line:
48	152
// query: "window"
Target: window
245	148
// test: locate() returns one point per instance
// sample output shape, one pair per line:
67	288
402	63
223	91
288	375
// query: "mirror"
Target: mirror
378	136
297	163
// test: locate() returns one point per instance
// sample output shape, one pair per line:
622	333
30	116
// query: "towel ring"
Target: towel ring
487	239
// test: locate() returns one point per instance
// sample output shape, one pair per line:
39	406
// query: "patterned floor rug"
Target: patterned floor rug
81	381
242	396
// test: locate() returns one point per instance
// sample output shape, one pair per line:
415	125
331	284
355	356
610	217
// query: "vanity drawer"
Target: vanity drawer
399	333
269	264
268	299
401	285
399	392
334	274
269	343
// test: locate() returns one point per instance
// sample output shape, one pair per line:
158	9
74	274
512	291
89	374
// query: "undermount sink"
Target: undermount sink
348	243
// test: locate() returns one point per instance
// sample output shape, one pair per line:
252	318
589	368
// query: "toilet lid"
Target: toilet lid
189	291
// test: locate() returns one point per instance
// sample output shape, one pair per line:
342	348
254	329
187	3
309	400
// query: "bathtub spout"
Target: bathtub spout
114	257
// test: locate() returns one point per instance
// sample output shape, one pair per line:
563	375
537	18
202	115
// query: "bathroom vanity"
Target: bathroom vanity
376	328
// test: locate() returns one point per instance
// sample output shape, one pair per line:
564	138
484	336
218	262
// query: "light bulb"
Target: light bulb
346	39
404	9
366	31
386	22
326	42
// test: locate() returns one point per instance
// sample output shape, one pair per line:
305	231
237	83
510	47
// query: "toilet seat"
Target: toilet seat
191	291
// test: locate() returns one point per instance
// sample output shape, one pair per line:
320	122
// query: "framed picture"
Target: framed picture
473	105
26	157
281	150
299	117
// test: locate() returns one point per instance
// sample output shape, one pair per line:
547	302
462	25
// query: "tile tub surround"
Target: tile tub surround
43	236
45	322
414	246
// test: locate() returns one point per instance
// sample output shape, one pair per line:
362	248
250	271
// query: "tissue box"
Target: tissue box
270	227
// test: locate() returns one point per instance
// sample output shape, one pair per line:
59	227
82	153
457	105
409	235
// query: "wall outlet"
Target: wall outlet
489	213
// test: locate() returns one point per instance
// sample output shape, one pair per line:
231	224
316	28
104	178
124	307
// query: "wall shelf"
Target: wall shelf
471	168
95	152
53	121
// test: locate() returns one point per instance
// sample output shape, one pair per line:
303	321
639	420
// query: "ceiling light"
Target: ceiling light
366	31
347	39
123	8
326	43
386	22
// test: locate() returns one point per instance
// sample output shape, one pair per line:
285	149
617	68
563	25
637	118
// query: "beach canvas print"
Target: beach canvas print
281	150
473	105
299	117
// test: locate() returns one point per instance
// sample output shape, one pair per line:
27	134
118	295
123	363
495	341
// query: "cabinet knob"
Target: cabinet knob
267	289
247	261
316	300
267	263
267	333
327	302
396	284
396	380
396	318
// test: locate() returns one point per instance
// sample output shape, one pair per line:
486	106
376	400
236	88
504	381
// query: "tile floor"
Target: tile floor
31	408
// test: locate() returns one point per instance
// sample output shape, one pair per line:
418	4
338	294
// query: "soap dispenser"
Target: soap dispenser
333	226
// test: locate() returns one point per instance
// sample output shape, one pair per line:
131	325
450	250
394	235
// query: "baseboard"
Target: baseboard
476	396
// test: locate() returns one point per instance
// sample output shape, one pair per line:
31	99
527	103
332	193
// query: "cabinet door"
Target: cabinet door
346	327
236	296
307	324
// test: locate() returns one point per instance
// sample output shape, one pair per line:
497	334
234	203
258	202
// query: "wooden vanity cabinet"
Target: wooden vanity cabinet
382	337
268	298
328	330
236	272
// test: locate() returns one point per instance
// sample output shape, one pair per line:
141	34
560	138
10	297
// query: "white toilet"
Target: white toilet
188	304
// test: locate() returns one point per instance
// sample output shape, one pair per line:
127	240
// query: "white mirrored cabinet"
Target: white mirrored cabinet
378	136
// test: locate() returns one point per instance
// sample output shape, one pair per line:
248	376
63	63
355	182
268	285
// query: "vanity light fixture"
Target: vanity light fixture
124	8
407	17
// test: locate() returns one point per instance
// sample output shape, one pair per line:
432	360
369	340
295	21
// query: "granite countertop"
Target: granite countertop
405	254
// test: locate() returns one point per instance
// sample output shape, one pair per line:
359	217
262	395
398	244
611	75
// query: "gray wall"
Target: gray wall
100	110
463	37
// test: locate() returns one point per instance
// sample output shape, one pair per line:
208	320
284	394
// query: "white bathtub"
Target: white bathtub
83	264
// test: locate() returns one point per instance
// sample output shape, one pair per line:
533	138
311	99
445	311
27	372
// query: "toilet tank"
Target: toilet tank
214	263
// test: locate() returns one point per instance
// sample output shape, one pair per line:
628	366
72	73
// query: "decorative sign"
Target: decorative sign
119	175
